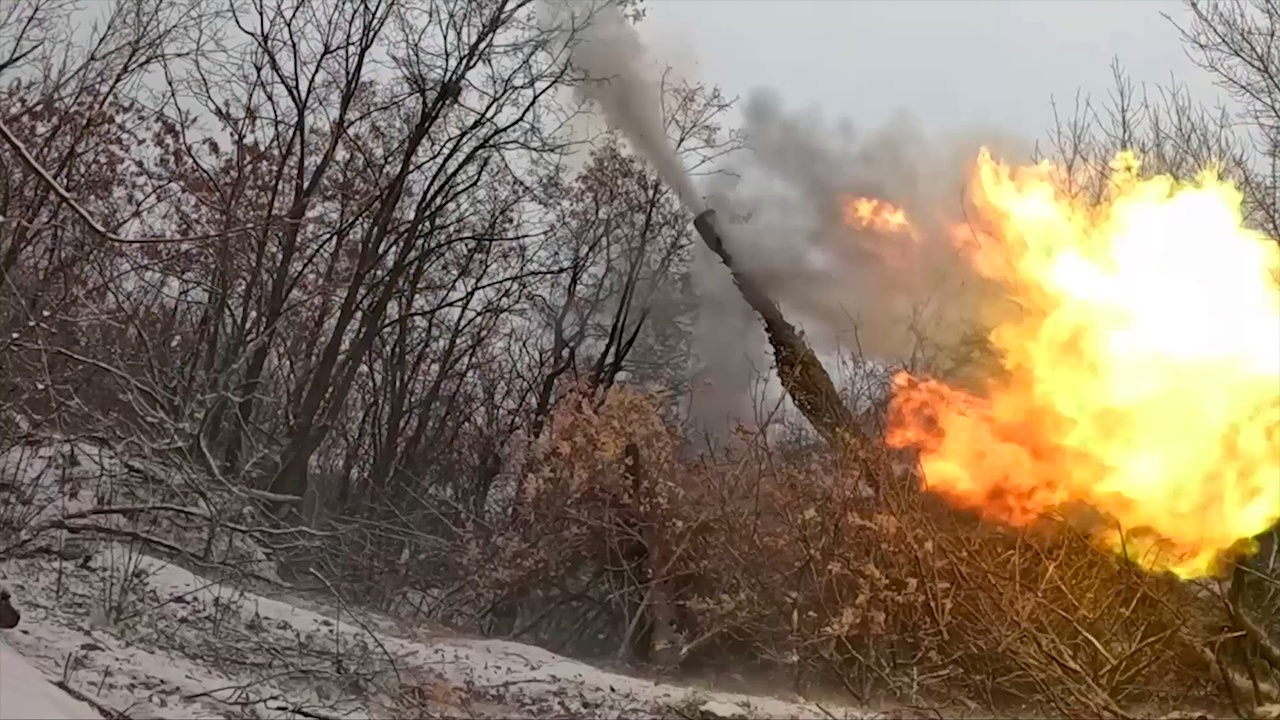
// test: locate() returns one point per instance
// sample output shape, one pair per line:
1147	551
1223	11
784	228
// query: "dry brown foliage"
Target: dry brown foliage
790	566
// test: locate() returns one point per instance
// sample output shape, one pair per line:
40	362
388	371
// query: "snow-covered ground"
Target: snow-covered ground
136	636
185	646
26	694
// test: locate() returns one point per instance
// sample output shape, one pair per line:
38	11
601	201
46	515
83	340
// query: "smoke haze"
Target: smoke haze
891	297
617	73
848	285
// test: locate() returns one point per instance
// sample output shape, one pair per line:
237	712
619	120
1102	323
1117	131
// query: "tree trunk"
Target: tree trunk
658	598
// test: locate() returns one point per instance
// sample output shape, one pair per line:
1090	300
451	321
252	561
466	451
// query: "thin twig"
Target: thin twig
356	618
105	711
45	177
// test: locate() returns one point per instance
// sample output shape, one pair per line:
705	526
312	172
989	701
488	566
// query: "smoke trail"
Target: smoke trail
616	73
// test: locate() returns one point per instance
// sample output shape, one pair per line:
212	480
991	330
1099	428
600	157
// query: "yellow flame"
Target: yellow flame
875	214
1141	371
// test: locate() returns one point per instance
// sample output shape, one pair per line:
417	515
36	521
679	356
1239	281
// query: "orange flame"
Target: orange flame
1141	371
875	214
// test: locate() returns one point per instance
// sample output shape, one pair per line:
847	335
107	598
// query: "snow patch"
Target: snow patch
179	644
146	638
25	694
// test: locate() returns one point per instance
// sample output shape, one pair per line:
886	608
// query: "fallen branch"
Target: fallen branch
1267	647
105	711
171	548
303	712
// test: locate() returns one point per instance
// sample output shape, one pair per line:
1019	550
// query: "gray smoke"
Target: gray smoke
848	285
615	72
892	299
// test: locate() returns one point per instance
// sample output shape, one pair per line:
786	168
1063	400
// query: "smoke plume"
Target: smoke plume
854	288
616	72
890	298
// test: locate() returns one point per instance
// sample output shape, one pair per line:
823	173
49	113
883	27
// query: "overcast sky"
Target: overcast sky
954	64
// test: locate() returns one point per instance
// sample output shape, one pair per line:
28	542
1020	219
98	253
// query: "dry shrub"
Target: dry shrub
601	498
898	595
1049	618
825	571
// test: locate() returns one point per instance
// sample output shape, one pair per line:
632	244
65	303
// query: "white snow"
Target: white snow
25	694
144	638
183	645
